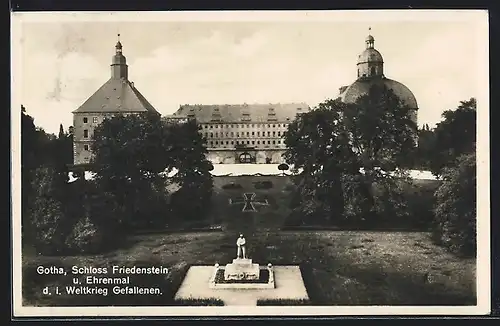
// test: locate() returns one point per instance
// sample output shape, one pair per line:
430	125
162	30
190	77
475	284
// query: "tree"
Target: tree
132	156
36	151
193	199
349	148
454	135
455	211
425	149
313	140
47	224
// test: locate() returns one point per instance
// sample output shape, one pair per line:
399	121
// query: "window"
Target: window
274	133
216	142
268	133
258	142
227	134
274	142
227	142
373	70
248	133
279	141
253	133
94	119
86	147
253	142
216	134
268	142
279	133
211	126
232	142
246	158
211	135
211	143
237	134
85	133
85	120
258	133
232	134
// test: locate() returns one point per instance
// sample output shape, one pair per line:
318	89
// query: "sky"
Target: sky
61	60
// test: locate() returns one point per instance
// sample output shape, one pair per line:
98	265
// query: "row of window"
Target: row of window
248	133
86	120
253	125
248	142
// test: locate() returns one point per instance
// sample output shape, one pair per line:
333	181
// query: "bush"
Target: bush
46	219
283	302
390	203
455	211
263	185
232	185
85	237
358	203
199	302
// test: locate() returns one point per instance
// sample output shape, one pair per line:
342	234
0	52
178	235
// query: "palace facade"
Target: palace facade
243	133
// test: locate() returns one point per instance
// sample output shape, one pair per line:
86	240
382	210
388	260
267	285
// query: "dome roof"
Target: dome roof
370	55
362	86
370	38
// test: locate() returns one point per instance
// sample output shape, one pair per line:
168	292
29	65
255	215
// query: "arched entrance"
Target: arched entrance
246	158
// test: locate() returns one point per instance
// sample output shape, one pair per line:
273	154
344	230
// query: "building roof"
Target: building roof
362	86
115	96
231	113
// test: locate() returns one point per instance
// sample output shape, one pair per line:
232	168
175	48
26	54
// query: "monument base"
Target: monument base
241	284
241	269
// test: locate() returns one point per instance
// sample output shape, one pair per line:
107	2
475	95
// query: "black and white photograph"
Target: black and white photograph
250	163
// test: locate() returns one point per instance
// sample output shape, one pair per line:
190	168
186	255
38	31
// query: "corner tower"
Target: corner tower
118	95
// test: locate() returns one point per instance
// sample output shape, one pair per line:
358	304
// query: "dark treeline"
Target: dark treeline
355	160
131	188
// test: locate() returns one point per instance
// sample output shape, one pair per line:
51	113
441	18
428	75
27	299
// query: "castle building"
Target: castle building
370	71
116	96
243	133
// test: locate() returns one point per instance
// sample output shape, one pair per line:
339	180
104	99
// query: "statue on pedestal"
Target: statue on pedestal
241	247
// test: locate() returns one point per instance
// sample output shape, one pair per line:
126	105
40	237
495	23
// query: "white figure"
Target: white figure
241	247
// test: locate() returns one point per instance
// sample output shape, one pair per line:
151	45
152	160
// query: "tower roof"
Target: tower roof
118	94
370	55
362	87
115	96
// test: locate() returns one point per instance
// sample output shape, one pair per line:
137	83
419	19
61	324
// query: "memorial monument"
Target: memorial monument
243	282
242	272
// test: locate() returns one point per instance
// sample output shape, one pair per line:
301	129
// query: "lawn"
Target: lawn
338	267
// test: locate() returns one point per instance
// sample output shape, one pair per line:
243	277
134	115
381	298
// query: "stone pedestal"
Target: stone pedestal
241	269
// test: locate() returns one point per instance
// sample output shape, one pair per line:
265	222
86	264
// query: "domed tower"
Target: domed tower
370	62
370	71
